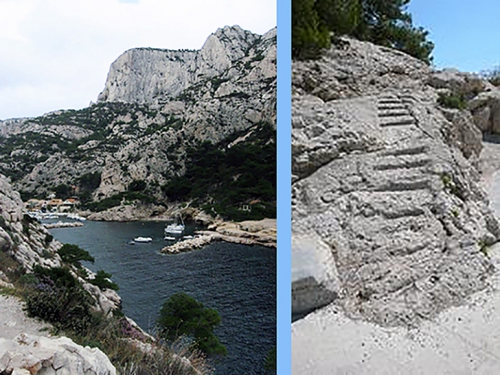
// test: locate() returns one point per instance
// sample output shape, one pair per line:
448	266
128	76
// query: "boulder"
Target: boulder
30	354
466	84
485	108
314	274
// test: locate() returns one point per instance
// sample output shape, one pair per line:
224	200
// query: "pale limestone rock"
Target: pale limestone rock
44	356
387	179
463	133
486	110
141	74
227	86
314	274
457	82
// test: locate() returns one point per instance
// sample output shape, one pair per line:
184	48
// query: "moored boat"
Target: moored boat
143	239
175	228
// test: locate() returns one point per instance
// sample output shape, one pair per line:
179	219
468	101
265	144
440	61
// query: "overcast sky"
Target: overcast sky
55	54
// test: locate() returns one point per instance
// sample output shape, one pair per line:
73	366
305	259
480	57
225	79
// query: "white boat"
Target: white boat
188	237
175	228
170	238
143	239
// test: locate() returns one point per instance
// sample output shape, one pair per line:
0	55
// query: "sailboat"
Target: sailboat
175	228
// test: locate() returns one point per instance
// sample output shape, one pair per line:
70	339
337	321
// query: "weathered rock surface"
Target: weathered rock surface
387	179
24	240
460	340
141	75
314	274
485	108
29	354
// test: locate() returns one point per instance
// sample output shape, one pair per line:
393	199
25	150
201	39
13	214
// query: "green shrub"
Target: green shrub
270	361
102	281
74	254
137	185
221	178
183	315
452	101
57	276
58	298
64	307
48	239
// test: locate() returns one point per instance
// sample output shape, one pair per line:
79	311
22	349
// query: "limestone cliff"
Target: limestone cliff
156	105
386	178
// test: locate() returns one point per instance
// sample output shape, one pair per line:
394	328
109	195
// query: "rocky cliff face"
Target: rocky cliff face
24	244
386	178
29	244
155	105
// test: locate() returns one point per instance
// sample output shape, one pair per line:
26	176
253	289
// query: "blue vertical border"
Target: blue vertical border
284	170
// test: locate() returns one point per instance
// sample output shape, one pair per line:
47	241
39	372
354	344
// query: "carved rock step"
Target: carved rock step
407	161
391	205
393	113
386	107
398	121
387	184
390	101
409	150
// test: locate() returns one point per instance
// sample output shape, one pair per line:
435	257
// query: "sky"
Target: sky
55	54
466	33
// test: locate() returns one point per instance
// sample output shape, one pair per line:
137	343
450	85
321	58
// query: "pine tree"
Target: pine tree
309	34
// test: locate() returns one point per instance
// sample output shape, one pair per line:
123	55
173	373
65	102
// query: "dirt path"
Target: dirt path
14	321
489	161
461	340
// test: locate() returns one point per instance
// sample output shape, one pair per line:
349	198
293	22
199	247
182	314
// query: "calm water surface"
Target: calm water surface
239	281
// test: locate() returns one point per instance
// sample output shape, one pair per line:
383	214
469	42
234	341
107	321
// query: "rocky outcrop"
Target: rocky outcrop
29	243
25	240
30	355
386	178
485	108
141	75
314	274
262	233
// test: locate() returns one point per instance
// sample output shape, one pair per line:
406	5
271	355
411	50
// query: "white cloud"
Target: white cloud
56	53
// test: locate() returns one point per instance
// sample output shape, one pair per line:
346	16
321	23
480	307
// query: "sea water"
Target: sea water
238	281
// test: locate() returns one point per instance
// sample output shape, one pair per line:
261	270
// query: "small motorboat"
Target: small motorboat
143	239
170	238
188	237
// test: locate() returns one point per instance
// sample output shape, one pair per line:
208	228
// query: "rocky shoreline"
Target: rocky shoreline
262	233
61	224
250	232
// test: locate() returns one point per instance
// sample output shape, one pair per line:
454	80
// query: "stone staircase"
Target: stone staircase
382	213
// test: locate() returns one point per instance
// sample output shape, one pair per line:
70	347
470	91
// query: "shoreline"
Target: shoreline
261	232
250	232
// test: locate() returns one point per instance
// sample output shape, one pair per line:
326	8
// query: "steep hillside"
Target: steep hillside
156	105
